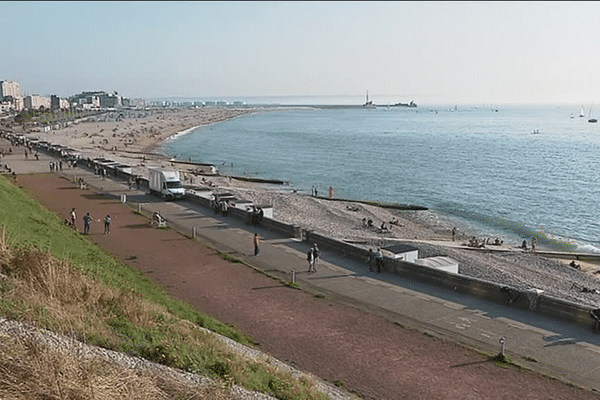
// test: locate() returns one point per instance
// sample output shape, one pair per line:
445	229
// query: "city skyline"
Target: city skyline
450	52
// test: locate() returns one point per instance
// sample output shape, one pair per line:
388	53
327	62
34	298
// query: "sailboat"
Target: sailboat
369	103
590	117
582	112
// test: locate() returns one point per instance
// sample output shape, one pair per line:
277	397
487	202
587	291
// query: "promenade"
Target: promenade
555	349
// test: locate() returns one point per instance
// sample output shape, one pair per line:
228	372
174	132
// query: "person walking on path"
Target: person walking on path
310	257
256	244
73	218
224	208
107	224
370	260
87	223
378	260
316	255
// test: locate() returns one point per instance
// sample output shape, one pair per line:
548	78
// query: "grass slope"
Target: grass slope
56	279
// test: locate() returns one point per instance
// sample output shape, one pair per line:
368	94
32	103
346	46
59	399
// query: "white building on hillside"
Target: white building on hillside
35	102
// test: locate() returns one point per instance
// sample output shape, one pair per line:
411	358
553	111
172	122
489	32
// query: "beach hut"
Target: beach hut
442	263
402	252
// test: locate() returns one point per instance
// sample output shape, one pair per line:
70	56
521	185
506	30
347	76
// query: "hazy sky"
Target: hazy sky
490	52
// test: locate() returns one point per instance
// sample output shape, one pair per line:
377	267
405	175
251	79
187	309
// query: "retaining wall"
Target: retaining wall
562	310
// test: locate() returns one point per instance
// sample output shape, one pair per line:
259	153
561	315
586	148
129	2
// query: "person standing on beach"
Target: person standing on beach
107	224
453	234
533	245
256	244
87	223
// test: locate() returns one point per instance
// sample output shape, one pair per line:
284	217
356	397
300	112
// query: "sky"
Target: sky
452	52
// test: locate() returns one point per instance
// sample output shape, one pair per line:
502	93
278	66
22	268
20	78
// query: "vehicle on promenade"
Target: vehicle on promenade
165	183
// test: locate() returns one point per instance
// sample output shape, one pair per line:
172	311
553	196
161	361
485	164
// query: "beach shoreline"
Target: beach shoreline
136	142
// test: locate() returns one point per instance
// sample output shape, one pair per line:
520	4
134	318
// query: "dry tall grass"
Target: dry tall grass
54	294
37	289
30	370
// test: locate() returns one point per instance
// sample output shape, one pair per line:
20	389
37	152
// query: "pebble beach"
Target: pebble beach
133	140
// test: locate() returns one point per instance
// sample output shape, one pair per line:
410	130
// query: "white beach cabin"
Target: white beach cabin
402	252
440	262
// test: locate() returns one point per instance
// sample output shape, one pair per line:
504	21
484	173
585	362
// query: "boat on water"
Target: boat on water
369	103
592	120
581	112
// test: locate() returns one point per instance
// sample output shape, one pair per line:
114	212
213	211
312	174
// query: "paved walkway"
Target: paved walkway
555	349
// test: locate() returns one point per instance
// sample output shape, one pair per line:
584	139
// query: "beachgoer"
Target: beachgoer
364	222
87	223
256	244
73	218
310	257
453	234
107	224
317	255
370	260
331	192
224	208
533	245
378	260
257	215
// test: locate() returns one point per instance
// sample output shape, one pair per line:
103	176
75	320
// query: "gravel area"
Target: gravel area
81	351
431	235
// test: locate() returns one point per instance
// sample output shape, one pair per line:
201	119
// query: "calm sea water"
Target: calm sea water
485	170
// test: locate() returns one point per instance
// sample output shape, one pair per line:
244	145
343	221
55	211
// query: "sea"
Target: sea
512	172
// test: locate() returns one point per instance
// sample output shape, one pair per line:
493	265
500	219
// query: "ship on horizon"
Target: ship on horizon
370	104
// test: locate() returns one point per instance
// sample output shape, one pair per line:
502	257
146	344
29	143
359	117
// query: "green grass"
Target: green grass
59	280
